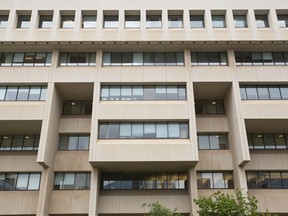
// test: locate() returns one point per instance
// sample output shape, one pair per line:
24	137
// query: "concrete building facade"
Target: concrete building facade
106	105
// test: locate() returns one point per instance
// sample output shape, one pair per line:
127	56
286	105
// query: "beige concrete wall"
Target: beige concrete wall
215	160
71	161
268	160
19	162
120	202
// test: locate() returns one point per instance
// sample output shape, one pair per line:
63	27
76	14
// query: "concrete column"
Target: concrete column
94	192
192	189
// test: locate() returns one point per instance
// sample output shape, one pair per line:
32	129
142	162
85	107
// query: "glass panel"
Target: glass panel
36	143
89	21
276	181
160	92
63	59
2	181
10	181
127	58
264	178
224	142
257	58
180	58
2	93
228	178
258	141
104	92
67	22
263	93
23	92
69	180
103	131
83	59
214	141
161	130
240	21
149	130
175	21
181	93
126	180
126	92
137	58
170	58
202	58
86	108
285	179
278	58
197	21
284	92
40	59
6	143
116	58
153	21
280	141
83	142
23	21
267	58
269	141
43	93
218	21
28	142
243	93
261	21
184	131
182	180
282	21
17	142
75	107
22	182
250	141
206	180
114	93
132	21
111	21
252	180
172	93
200	107
150	181
251	93
214	58
6	59
106	58
138	93
223	58
29	59
125	130
113	130
211	107
203	142
173	130
80	181
218	180
11	93
45	22
148	58
72	142
63	142
34	93
3	22
137	130
58	182
149	93
34	182
274	93
172	180
159	58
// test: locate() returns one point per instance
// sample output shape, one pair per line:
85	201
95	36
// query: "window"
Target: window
19	142
77	59
209	58
153	21
146	130
240	21
161	92
22	93
23	21
67	21
218	21
267	141
144	181
77	107
282	20
212	141
110	21
89	21
264	92
146	59
3	21
132	21
261	58
267	179
213	180
72	181
45	21
74	142
175	21
19	181
209	107
25	59
262	21
197	21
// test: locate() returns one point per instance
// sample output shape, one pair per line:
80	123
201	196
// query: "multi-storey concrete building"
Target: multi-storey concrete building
106	105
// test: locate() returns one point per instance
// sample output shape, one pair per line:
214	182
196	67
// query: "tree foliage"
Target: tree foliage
220	204
157	209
